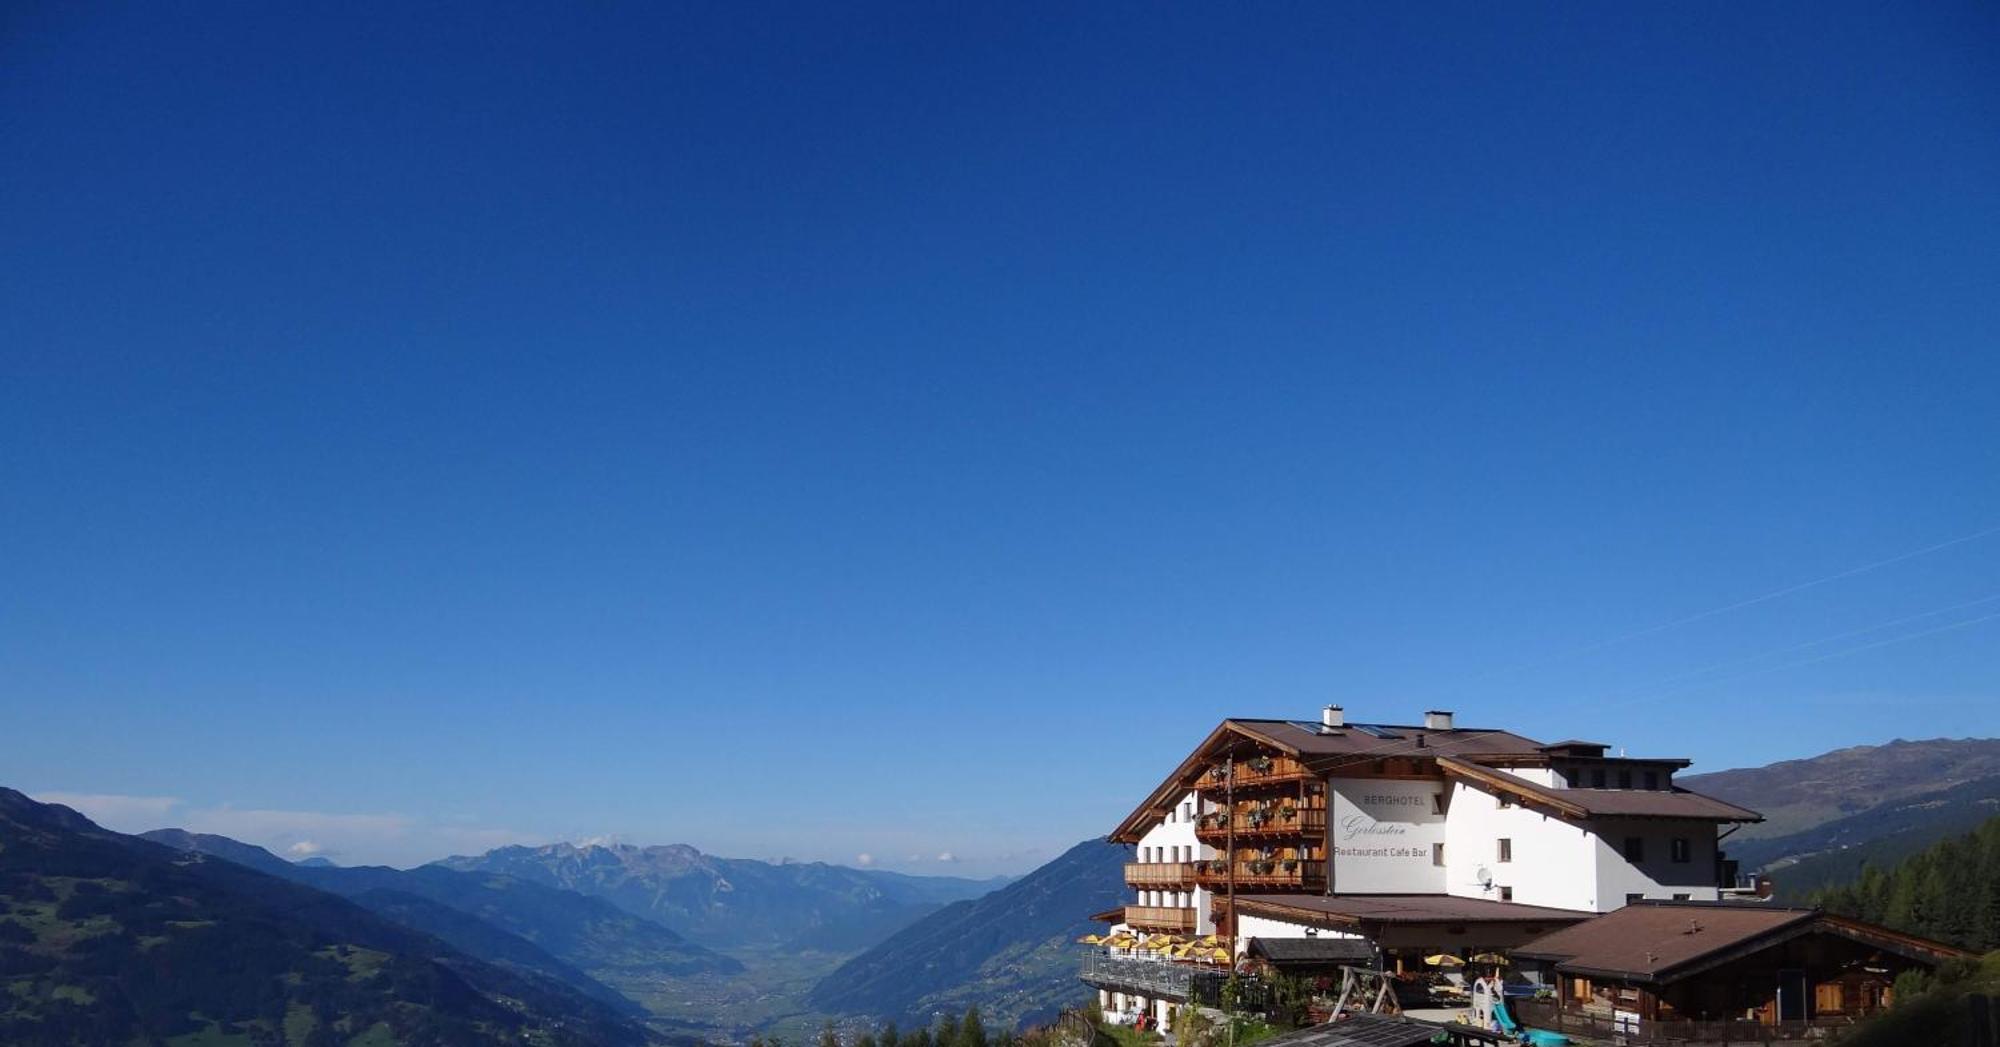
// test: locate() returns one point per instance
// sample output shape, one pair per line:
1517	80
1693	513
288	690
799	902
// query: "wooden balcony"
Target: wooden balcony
1256	772
1165	875
1252	825
1276	874
1160	918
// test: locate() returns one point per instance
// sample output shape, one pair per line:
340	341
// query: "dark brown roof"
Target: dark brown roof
1377	740
1362	1030
1601	803
1324	751
1665	941
1313	950
1347	910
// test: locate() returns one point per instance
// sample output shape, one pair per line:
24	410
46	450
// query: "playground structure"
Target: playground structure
1489	1011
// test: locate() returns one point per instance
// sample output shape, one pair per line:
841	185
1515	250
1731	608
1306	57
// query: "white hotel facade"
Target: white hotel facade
1381	842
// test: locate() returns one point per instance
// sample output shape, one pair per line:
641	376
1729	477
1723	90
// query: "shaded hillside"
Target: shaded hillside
1834	852
1796	795
106	938
1011	952
734	901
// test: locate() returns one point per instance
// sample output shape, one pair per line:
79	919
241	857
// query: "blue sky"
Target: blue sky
904	431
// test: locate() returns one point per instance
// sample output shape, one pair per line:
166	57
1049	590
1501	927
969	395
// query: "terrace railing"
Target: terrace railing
1159	979
1263	873
1543	1014
1175	919
1159	874
1277	821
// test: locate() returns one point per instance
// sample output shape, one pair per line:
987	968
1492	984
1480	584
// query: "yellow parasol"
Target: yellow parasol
1220	955
1490	957
1443	959
1090	939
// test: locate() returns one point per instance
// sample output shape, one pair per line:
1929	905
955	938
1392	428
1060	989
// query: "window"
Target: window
1437	803
1506	894
1680	848
1634	899
1652	779
1597	778
1682	897
1506	850
1624	779
1579	988
1437	854
1187	811
1827	998
1506	801
1635	849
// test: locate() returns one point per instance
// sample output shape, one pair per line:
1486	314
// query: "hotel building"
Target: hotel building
1382	843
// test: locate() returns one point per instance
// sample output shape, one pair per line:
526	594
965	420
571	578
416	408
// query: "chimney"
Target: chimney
1332	718
1437	720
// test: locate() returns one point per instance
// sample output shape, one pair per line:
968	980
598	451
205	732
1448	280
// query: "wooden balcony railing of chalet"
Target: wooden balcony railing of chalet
1159	874
1160	918
1264	874
1275	822
1545	1015
1256	771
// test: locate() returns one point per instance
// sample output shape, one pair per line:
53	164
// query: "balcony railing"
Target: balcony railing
1154	978
1277	822
1159	874
1276	873
1256	771
1160	918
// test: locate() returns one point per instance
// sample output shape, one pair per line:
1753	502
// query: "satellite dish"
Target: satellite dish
1484	877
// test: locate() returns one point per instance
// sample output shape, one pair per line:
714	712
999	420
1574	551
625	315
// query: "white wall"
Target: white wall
1554	861
1657	875
1173	835
1172	839
1380	833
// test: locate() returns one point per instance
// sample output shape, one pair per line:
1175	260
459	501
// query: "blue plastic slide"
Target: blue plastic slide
1538	1037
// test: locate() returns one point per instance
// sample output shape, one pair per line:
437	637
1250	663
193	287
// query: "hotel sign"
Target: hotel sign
1381	833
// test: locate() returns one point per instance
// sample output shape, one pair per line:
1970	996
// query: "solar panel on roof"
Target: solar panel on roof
1375	732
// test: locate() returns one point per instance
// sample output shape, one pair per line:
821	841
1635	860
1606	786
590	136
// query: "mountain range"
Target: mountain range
1796	795
734	902
559	934
107	938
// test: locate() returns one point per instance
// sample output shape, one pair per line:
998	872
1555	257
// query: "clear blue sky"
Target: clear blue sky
820	432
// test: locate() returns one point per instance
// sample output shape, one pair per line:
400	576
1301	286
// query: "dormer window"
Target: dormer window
1652	779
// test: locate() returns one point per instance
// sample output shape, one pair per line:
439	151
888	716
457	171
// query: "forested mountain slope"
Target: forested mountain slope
1012	952
106	938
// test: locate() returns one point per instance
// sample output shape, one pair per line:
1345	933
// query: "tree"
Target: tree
947	1031
972	1031
828	1036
